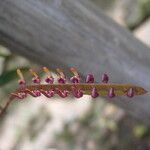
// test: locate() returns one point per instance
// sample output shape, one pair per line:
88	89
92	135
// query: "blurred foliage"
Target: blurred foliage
97	137
140	131
145	5
36	125
4	52
141	13
4	55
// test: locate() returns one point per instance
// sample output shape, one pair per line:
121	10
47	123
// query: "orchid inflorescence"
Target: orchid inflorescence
73	86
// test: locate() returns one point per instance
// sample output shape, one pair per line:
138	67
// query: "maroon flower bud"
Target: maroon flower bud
94	93
78	93
75	79
49	80
105	78
34	93
61	76
62	80
36	80
61	93
21	82
89	78
130	93
111	93
48	94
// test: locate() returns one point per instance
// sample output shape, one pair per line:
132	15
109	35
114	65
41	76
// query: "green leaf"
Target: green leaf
139	131
10	75
4	55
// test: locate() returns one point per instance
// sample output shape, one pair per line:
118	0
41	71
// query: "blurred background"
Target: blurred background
85	124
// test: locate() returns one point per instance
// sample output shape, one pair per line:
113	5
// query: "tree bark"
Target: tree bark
65	33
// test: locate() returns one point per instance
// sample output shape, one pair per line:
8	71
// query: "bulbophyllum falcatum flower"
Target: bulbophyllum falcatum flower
73	86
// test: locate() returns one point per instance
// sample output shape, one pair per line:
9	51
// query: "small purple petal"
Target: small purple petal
21	82
105	78
75	79
94	93
61	80
78	93
61	93
130	93
48	94
111	93
36	80
49	80
51	93
89	78
34	93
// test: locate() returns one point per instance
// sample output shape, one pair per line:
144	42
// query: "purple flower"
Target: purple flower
94	93
105	78
130	93
89	78
49	80
75	79
36	80
111	93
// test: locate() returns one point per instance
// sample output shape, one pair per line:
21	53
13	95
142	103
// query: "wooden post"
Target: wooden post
65	33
